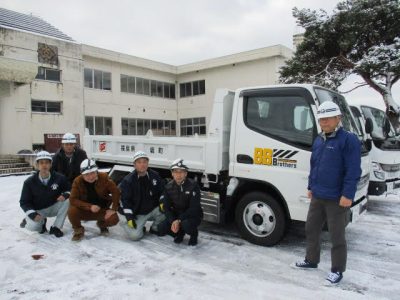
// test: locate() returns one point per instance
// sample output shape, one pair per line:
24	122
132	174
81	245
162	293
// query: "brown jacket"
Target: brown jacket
104	186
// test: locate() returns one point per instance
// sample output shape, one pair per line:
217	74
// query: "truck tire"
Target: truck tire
260	219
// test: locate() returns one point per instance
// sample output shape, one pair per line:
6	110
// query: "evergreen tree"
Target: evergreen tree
361	37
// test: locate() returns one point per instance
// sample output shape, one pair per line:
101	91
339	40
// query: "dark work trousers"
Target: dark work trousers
188	226
336	219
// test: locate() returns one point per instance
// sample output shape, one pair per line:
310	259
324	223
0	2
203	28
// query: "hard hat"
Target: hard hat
328	109
43	155
140	154
68	138
88	166
178	164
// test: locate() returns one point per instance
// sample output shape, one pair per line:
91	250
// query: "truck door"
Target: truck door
275	128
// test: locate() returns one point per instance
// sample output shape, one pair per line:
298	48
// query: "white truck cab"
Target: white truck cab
385	151
253	164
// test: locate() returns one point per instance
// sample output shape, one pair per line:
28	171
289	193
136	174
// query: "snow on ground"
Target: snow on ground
220	267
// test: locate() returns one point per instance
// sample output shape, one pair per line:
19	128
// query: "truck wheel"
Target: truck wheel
260	218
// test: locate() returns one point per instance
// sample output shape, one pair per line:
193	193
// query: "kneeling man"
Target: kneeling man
90	200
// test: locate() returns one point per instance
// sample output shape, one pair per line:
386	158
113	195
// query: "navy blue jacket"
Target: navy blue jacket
131	196
335	166
69	167
182	201
35	195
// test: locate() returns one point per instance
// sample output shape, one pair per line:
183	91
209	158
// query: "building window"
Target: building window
147	87
194	88
48	74
41	106
192	126
141	126
99	125
97	79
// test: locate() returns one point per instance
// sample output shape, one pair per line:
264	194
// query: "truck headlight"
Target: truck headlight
379	175
376	167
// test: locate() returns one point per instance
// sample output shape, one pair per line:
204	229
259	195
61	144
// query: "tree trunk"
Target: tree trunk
392	109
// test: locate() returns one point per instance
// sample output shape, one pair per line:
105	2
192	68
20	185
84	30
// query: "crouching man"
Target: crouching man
90	200
140	194
181	203
45	194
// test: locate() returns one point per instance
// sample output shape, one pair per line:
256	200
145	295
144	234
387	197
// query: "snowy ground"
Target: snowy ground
220	267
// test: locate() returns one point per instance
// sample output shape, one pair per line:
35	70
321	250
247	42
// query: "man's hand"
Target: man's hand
345	202
38	218
175	226
61	198
309	194
109	213
95	208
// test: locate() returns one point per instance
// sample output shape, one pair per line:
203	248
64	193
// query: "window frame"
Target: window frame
46	102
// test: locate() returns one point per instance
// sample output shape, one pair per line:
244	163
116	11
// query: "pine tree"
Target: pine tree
360	37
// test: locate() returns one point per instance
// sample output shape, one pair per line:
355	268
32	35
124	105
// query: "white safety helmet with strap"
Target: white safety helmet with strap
140	154
328	109
88	166
43	155
68	138
178	165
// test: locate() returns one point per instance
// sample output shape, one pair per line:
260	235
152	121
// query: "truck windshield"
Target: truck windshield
348	121
379	118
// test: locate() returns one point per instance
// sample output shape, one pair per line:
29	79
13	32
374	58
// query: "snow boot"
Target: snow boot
193	239
179	237
78	234
56	231
44	229
23	223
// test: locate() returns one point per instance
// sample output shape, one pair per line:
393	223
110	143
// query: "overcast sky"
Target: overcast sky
176	31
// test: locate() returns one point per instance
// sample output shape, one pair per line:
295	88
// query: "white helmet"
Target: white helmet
328	109
68	138
43	155
140	154
88	166
178	164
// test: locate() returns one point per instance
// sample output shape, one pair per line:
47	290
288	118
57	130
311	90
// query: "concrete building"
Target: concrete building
50	84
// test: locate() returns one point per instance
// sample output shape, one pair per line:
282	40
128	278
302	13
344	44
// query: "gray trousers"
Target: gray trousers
321	211
58	210
136	234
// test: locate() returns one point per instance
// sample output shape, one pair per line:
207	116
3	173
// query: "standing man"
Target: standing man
45	194
92	194
332	183
181	203
68	158
140	194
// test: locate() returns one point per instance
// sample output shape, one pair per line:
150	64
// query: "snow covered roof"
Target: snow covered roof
19	21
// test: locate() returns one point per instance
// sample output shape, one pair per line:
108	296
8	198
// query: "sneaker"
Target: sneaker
179	237
23	223
104	231
334	277
56	231
78	234
305	264
44	229
193	240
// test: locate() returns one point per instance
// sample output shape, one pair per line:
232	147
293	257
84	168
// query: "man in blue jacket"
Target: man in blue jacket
334	173
140	194
45	194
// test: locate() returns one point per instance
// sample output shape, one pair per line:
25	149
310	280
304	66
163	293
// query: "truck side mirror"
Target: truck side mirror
386	127
369	126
